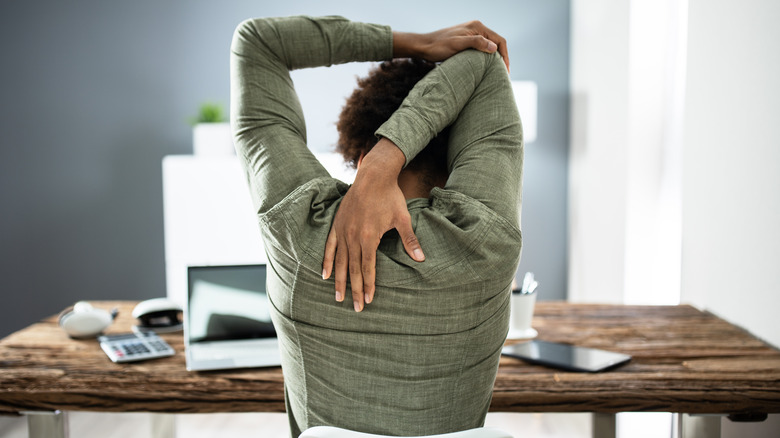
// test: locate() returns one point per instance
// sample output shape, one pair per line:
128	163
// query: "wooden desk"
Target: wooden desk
685	361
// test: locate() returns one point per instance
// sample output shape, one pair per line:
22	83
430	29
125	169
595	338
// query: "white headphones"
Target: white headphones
84	321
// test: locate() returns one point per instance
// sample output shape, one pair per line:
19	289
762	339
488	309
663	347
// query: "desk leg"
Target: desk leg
49	424
698	426
163	425
604	425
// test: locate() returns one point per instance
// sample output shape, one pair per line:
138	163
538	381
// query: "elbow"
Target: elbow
252	36
240	36
247	37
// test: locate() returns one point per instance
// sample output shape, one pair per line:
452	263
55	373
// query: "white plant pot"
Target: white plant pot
212	139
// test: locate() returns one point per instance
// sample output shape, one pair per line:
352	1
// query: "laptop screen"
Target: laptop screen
227	303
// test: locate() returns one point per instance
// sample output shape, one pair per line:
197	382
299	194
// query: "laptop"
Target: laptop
227	320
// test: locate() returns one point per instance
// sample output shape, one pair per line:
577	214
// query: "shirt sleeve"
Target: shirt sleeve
269	131
470	92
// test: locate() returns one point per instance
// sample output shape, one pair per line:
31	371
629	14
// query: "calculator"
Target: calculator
133	347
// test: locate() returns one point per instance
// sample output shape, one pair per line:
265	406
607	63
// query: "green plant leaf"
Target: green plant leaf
210	113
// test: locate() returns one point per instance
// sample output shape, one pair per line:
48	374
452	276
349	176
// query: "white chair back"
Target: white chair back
336	432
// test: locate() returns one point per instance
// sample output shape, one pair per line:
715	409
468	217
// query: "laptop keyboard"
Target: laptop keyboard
233	349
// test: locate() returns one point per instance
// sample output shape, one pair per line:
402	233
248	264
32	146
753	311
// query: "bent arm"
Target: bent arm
471	92
267	120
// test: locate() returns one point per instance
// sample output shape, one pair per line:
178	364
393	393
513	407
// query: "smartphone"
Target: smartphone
566	357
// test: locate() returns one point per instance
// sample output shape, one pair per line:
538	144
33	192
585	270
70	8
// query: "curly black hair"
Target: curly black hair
372	103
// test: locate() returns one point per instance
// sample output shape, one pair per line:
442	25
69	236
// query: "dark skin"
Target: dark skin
376	202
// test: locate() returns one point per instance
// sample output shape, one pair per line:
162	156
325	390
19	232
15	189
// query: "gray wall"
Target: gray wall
95	93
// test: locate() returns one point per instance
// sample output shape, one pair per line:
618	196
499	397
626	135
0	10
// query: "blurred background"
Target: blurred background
96	93
653	178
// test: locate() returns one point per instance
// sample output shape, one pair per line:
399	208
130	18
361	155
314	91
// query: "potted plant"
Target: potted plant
211	131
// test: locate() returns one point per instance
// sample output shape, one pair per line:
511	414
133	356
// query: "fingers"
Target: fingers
330	254
356	277
503	50
362	270
488	46
368	267
498	42
357	264
348	264
357	261
477	42
409	239
342	263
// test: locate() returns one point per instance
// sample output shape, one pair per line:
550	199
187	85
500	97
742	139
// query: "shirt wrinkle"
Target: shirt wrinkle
429	344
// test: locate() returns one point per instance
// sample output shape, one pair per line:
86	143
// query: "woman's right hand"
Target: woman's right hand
441	44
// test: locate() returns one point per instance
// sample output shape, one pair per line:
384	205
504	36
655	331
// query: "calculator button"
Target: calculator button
128	348
136	349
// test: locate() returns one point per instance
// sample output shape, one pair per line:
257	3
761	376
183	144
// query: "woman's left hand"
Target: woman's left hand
372	206
441	44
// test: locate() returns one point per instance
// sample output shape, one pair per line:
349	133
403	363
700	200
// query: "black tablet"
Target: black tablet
566	357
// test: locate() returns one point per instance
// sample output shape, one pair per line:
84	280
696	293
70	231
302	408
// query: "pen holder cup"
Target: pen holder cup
522	313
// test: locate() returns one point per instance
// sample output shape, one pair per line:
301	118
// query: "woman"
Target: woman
421	357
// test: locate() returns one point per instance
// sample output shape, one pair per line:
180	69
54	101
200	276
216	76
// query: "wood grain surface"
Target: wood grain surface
684	360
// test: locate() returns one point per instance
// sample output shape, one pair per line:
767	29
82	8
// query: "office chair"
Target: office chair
336	432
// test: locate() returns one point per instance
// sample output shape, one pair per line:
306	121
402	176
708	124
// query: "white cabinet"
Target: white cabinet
209	218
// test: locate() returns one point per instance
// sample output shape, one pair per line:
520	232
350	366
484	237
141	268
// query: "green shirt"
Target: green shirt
422	357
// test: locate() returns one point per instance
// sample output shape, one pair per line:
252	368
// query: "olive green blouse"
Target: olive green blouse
422	357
